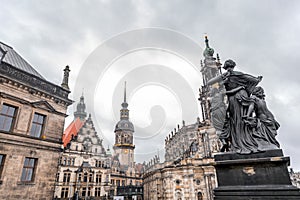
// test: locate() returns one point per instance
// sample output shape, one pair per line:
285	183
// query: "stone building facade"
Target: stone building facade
188	171
84	165
32	116
295	178
86	169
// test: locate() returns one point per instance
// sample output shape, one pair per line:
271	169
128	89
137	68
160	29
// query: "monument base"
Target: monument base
262	175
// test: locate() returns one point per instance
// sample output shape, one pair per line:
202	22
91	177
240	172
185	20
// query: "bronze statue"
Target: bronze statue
241	132
264	124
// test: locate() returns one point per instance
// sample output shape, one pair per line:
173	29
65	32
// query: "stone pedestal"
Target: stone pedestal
262	175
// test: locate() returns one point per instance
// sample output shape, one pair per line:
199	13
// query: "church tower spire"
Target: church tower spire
80	112
124	112
124	130
125	92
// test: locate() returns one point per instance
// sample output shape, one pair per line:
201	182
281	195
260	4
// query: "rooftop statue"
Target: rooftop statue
249	126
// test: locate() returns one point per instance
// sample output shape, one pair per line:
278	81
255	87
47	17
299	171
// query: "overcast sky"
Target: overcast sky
114	38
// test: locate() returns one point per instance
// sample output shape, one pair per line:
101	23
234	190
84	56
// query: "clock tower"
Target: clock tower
124	129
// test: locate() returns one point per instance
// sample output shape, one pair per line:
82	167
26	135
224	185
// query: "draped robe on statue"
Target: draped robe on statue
235	129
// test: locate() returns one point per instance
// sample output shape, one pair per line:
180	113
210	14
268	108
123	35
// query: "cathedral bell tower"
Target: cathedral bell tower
124	129
211	98
210	68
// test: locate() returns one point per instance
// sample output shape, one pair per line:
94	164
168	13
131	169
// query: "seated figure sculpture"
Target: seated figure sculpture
260	118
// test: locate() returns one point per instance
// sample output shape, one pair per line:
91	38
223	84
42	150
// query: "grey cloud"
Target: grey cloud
260	35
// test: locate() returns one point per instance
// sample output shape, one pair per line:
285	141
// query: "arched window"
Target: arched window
178	195
67	177
199	196
79	177
85	177
98	178
91	177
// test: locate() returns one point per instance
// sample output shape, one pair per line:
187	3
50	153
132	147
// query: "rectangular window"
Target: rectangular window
83	192
7	117
67	177
123	182
57	177
28	169
97	192
37	125
64	192
85	177
118	182
2	159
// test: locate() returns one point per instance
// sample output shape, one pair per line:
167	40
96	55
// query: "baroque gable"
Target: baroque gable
87	140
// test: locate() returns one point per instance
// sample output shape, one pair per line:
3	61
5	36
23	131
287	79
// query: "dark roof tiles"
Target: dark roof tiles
14	59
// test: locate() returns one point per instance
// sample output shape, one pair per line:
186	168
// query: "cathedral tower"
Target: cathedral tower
210	68
124	129
212	97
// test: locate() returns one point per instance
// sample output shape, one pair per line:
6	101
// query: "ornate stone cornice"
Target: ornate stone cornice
35	84
36	104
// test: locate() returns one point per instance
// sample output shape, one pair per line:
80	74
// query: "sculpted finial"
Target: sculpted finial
65	82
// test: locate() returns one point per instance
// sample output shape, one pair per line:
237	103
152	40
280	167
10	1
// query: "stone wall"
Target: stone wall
189	179
17	144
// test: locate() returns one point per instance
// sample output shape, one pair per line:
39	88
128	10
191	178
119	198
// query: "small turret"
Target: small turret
80	112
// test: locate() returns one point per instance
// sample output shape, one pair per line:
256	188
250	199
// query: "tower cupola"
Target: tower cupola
124	123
